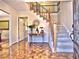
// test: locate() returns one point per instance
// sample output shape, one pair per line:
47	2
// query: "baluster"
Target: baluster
36	9
46	17
30	6
39	9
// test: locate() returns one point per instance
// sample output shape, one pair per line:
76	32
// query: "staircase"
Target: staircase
64	42
33	15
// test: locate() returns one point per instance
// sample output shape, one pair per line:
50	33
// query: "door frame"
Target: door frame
9	24
18	24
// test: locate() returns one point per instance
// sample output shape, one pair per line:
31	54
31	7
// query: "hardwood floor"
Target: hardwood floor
22	50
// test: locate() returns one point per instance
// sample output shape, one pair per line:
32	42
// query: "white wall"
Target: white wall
54	17
13	36
66	15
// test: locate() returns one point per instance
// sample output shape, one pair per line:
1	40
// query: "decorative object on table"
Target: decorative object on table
36	22
31	27
37	30
34	26
42	30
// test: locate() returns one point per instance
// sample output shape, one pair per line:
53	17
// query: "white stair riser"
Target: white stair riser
64	50
63	43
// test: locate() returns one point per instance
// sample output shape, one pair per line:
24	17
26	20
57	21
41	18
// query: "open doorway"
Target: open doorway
22	32
22	28
4	31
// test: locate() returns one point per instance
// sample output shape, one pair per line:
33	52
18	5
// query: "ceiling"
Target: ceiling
16	4
19	5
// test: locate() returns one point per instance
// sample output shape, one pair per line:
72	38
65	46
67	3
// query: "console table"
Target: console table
36	34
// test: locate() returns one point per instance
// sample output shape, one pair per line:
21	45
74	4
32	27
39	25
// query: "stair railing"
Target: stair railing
39	9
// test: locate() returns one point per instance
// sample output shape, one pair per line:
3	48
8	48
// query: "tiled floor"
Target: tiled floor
36	51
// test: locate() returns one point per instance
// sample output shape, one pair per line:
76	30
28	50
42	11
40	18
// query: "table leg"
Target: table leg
42	39
30	40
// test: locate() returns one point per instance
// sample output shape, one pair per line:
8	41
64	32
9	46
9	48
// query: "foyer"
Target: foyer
38	29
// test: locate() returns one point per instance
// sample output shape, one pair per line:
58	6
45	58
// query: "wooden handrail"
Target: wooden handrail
37	4
41	6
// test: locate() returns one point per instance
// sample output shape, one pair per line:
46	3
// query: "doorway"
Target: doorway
4	33
22	28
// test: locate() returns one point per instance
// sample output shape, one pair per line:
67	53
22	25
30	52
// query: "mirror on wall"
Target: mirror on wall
4	24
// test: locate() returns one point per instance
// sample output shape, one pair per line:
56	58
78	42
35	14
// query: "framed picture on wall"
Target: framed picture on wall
4	25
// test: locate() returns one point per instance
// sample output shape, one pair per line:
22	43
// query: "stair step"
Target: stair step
64	41
64	33
61	29
63	38
64	50
60	26
65	47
